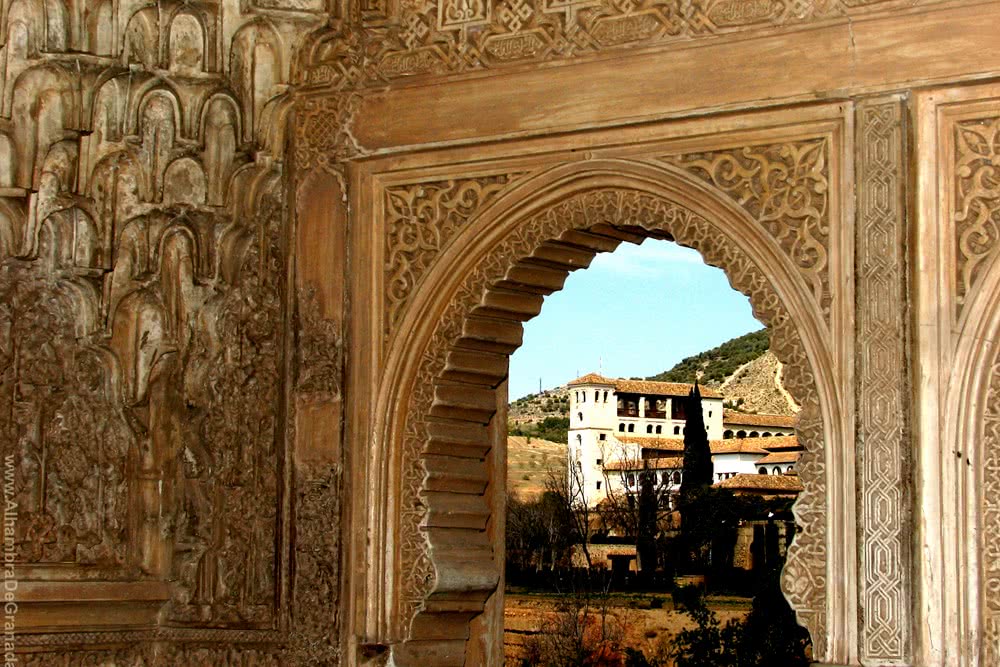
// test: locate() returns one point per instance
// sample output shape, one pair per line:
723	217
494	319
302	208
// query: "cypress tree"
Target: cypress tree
697	452
647	528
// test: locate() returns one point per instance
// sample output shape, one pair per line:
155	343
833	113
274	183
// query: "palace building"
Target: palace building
620	428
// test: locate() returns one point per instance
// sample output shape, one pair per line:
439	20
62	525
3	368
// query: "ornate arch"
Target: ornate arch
450	352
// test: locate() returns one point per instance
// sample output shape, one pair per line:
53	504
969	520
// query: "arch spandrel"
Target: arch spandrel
447	410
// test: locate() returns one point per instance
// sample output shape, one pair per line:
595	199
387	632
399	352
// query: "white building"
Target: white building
619	428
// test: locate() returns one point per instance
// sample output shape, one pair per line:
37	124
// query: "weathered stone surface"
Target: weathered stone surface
261	264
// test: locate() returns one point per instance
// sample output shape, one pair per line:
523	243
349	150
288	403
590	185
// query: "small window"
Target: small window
579	415
631	428
621	428
677	477
649	428
630	479
598	486
709	413
762	470
776	470
597	396
605	397
665	477
659	429
602	436
599	461
677	430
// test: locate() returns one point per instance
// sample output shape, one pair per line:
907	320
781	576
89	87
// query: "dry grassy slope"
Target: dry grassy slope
530	462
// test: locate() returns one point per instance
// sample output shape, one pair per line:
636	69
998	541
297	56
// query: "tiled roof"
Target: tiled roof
737	446
662	388
668	444
660	463
775	483
743	419
592	378
644	386
781	457
778	443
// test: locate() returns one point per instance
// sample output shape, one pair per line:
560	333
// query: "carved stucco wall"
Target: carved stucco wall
156	346
149	341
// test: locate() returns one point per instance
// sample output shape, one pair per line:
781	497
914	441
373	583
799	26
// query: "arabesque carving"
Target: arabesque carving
421	220
786	188
990	499
429	417
977	199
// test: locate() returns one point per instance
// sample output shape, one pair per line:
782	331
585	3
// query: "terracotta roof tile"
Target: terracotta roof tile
744	419
779	443
667	444
781	457
662	388
591	378
644	386
748	482
659	463
737	446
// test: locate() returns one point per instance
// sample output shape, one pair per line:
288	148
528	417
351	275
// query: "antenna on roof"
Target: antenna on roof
600	365
539	385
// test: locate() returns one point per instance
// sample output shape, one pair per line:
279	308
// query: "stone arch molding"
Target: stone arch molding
449	355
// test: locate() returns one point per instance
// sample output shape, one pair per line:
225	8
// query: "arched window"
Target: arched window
577	397
621	428
659	429
741	434
631	428
579	416
776	470
789	468
762	470
665	477
630	479
754	434
727	435
605	397
584	396
677	430
579	440
766	434
597	396
649	428
677	477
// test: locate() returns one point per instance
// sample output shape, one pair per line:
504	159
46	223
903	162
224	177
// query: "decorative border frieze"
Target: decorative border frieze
884	458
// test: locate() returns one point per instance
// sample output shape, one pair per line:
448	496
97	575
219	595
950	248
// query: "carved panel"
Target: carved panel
977	200
990	549
806	570
72	447
883	444
421	220
786	187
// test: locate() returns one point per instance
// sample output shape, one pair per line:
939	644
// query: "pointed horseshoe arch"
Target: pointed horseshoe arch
447	361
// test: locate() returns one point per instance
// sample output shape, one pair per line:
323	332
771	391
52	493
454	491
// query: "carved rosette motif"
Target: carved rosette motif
785	187
323	132
977	200
882	381
421	220
805	580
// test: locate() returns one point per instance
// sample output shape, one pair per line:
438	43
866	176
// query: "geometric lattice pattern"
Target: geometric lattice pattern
883	456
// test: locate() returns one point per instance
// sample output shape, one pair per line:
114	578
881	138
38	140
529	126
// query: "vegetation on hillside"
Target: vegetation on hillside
720	362
555	429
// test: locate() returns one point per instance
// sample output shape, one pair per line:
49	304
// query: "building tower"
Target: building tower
592	417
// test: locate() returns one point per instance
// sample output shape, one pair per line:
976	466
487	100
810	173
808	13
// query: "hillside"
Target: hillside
714	366
531	463
748	374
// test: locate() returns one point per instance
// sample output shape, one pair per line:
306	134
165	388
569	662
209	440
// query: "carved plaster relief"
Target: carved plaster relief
884	457
433	413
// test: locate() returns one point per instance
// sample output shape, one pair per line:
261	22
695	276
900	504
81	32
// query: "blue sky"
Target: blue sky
634	312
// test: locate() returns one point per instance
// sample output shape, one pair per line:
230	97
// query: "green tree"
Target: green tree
647	529
697	452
